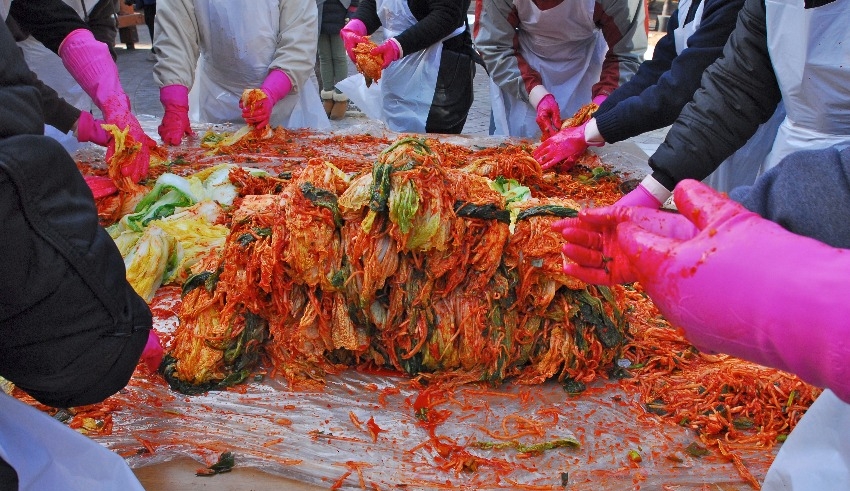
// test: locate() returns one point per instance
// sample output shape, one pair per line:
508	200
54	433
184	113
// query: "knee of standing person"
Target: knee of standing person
74	329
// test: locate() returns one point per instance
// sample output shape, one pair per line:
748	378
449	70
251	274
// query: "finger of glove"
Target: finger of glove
593	276
583	238
702	205
100	186
665	223
559	225
583	256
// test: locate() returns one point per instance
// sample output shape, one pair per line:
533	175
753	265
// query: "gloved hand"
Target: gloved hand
598	100
548	116
90	130
275	86
175	122
639	196
595	255
747	287
91	65
353	34
389	50
100	186
564	146
153	352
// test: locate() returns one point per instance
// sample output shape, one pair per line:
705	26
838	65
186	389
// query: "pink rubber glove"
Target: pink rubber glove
153	352
639	196
90	130
100	186
390	50
548	116
175	122
91	65
353	34
598	100
275	86
563	147
747	287
595	255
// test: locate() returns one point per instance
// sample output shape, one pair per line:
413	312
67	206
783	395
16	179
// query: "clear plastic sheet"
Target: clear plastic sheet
318	437
310	436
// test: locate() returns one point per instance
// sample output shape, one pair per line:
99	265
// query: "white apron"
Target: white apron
236	50
684	32
810	52
816	456
48	455
565	47
407	85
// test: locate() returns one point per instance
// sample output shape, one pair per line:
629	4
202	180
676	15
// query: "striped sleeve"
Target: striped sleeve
623	25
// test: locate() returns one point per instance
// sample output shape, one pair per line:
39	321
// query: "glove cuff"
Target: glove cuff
276	85
356	26
536	95
174	96
91	65
397	45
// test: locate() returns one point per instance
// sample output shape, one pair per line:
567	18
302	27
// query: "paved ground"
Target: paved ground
136	72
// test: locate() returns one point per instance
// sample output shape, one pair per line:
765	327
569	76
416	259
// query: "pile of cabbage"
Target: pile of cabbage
410	266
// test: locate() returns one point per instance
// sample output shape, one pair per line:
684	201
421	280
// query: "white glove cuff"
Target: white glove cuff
656	189
591	134
536	95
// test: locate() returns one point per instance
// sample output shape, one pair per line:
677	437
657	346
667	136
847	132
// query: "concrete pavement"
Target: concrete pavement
136	71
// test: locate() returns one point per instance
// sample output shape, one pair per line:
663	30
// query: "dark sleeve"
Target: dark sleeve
792	193
436	19
49	21
738	93
648	73
367	12
103	25
58	112
669	81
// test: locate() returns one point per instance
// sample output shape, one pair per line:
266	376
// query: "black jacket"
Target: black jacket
71	327
739	92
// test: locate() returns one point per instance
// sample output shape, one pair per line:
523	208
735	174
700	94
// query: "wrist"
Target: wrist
592	137
399	51
655	189
175	95
276	85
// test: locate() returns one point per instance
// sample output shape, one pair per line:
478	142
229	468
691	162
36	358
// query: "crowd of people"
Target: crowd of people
756	93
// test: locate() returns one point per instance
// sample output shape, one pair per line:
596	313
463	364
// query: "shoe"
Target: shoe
340	106
327	101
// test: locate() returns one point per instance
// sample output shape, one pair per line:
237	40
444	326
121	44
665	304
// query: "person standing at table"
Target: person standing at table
548	58
220	48
428	61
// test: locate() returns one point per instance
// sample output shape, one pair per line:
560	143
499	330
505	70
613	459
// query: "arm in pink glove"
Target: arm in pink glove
564	146
91	130
275	86
353	34
91	65
598	100
592	251
389	50
747	287
175	122
548	115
